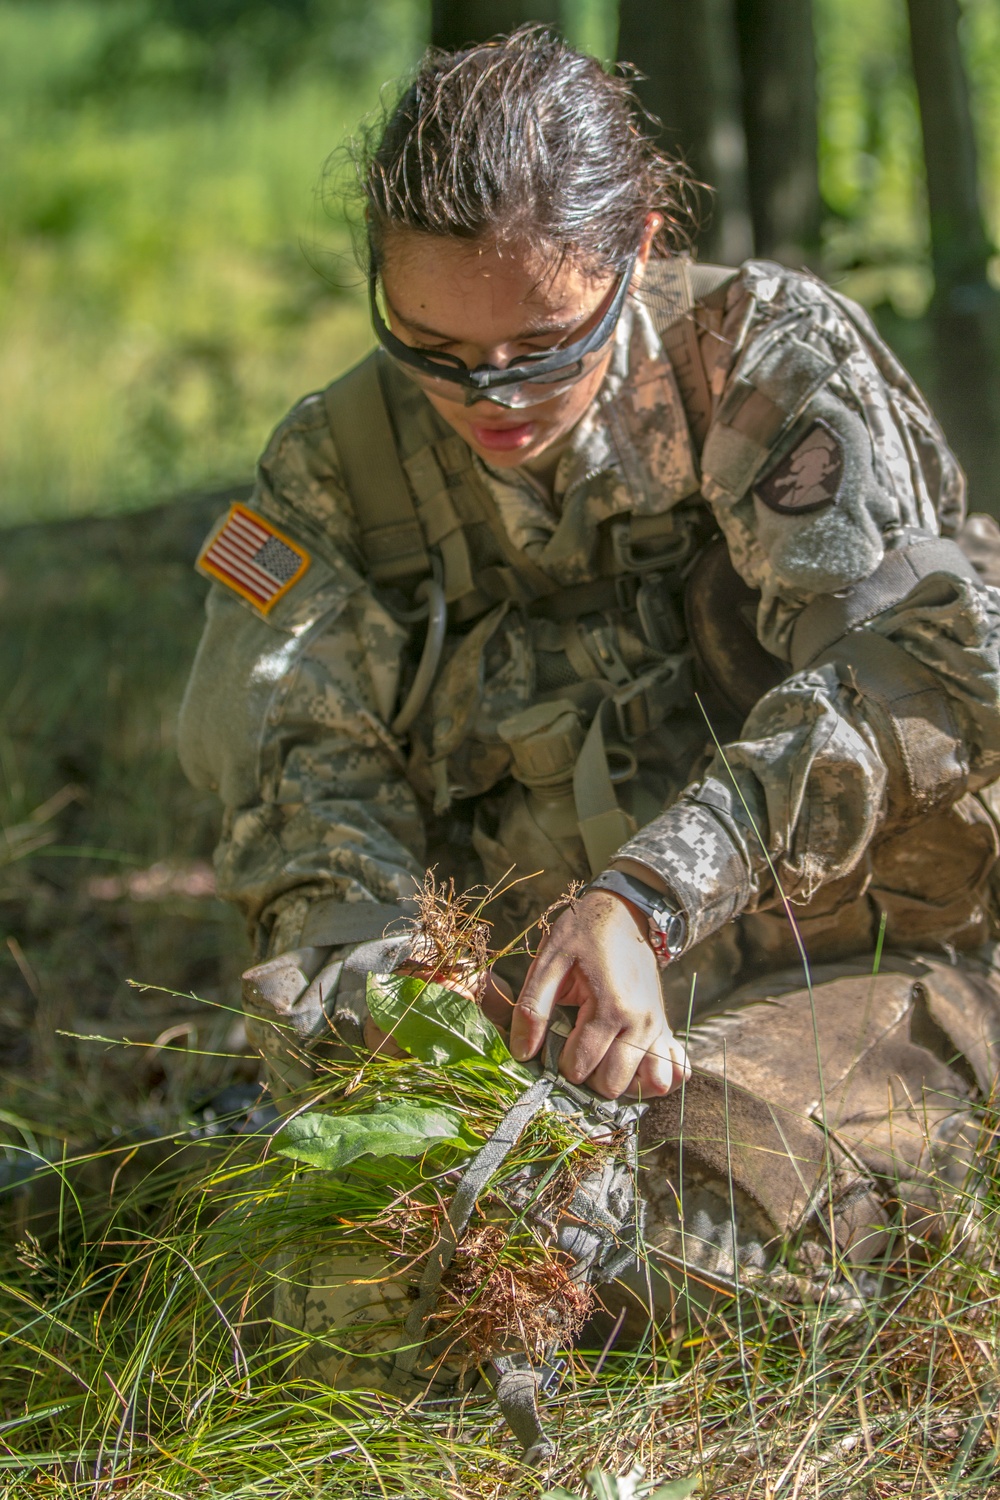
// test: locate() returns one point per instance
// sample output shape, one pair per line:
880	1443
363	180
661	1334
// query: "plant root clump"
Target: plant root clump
451	938
501	1301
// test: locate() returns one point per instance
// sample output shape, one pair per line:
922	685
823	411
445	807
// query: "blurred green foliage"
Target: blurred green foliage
160	227
871	162
158	308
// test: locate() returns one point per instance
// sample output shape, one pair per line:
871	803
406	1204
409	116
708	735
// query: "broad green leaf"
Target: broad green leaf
559	1494
677	1489
436	1024
332	1141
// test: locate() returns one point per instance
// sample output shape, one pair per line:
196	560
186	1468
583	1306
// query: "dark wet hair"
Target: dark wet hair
522	138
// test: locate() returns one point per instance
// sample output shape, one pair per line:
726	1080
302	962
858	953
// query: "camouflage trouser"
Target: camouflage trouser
819	1125
341	1322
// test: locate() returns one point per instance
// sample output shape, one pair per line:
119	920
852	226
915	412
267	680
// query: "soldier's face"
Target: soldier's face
488	305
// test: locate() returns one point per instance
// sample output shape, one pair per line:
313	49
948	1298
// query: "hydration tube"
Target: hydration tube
436	613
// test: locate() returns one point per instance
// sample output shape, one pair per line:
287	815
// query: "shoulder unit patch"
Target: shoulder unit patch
807	478
253	558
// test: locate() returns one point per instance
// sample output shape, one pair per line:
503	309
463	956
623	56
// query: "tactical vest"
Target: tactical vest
604	663
598	672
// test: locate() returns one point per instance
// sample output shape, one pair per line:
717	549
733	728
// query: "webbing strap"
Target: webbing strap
604	826
831	616
391	536
706	279
578	599
333	922
516	1393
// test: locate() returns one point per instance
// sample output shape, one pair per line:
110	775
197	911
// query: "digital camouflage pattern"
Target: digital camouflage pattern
855	789
842	790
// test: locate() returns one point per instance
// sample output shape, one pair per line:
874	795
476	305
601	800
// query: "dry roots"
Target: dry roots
451	937
533	1304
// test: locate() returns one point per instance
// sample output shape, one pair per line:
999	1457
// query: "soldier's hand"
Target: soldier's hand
597	959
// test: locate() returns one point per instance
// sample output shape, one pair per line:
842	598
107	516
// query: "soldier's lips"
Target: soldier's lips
504	439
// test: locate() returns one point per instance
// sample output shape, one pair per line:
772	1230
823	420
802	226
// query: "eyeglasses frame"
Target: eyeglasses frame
529	369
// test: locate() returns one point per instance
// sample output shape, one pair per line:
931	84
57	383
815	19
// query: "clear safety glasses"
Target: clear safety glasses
526	381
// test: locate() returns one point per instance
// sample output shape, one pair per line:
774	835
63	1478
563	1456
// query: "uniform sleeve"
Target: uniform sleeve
834	756
900	717
285	716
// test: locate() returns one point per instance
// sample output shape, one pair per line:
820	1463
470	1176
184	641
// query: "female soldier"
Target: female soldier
612	566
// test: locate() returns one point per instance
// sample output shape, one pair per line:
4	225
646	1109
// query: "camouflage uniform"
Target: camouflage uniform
857	787
855	808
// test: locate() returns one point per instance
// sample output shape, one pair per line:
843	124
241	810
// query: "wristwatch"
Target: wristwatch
667	927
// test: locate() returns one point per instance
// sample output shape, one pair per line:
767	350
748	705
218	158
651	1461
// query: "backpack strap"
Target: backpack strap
392	538
826	620
671	287
706	280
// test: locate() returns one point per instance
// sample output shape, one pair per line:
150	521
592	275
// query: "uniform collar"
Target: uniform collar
632	451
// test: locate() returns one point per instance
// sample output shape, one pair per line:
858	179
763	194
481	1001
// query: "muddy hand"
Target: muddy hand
597	959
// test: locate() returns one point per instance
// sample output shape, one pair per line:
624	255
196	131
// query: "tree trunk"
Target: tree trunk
965	318
778	65
456	23
686	49
959	244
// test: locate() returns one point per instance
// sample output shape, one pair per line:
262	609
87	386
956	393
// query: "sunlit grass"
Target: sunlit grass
158	312
156	358
133	1360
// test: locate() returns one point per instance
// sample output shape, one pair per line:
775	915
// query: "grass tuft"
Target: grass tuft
136	1358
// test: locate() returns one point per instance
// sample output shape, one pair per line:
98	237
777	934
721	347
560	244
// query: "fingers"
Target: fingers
539	994
377	1040
645	1062
629	1059
497	1001
594	1039
615	1071
662	1070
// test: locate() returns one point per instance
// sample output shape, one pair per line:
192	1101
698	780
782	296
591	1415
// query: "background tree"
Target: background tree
960	246
687	51
734	84
454	23
777	52
965	319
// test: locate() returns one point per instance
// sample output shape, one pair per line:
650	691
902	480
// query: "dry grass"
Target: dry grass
105	872
488	1302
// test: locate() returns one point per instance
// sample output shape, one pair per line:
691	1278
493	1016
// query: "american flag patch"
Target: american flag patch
254	559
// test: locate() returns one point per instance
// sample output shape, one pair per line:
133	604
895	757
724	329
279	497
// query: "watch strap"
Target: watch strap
667	927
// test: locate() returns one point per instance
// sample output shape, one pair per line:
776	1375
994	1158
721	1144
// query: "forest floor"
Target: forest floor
105	863
105	879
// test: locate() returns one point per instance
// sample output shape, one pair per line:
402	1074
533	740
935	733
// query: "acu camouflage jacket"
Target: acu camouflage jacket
770	413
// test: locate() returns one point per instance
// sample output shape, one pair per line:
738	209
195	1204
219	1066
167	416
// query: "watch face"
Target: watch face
667	932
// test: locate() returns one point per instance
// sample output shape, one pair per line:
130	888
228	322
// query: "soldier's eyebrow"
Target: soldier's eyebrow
536	331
